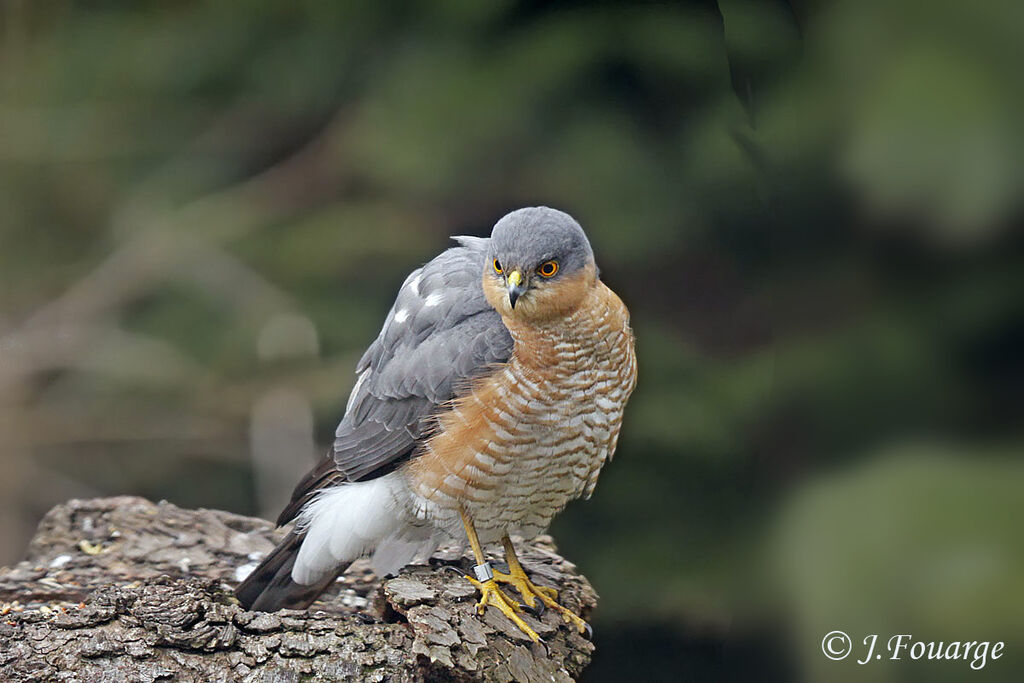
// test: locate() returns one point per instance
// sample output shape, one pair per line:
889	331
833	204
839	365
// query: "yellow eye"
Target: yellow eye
548	268
497	266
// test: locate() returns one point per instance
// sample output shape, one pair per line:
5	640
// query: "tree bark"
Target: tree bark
122	589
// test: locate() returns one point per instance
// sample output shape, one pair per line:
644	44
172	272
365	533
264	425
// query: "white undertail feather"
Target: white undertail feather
395	552
348	521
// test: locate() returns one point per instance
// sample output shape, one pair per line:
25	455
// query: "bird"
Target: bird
492	397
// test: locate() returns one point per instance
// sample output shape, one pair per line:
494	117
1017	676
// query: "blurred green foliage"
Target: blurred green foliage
926	533
808	207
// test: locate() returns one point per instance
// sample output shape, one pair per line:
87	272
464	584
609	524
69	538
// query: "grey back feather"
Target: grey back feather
439	335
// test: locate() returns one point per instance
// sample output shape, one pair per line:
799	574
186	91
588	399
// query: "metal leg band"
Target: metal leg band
483	572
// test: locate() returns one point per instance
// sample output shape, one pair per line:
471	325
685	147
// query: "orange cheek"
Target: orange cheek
545	300
495	294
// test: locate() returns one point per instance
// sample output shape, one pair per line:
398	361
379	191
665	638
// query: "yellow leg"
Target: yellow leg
531	593
490	593
517	577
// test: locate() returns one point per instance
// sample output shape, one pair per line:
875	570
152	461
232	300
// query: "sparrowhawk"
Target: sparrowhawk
491	398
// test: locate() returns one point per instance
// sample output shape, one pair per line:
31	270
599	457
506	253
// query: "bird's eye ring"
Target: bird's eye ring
497	266
548	268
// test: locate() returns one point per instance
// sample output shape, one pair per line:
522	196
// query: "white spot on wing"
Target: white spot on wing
401	316
414	284
434	299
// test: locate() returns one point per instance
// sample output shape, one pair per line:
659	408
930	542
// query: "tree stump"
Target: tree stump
122	589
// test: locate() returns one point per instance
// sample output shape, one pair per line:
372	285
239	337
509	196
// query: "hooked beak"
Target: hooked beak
515	287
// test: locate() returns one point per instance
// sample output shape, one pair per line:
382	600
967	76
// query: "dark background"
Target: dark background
207	208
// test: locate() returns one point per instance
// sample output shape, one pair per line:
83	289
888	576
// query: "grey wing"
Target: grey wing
440	334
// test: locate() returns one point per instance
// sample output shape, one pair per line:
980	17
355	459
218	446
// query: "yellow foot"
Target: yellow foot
547	596
491	594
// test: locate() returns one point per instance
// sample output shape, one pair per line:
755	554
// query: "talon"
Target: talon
491	586
537	598
491	595
581	626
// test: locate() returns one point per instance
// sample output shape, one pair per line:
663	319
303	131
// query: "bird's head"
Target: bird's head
540	265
